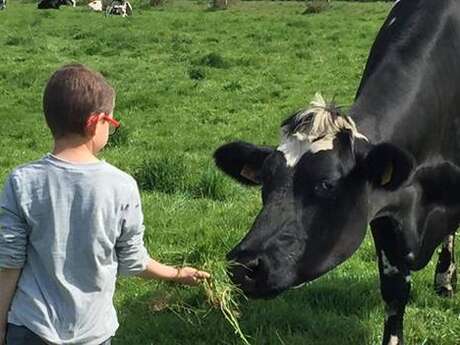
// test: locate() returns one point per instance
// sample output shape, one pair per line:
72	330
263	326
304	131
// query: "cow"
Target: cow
391	163
55	4
119	8
2	5
95	5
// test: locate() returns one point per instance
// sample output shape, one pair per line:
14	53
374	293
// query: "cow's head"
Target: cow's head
316	192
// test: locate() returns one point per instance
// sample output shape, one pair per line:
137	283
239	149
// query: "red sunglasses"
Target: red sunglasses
114	124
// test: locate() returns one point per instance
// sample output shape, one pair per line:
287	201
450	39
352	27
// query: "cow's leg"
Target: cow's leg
445	279
394	279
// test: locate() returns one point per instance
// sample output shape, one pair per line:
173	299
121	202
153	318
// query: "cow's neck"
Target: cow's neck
409	95
382	111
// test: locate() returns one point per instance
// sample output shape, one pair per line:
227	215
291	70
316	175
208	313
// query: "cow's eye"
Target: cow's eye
324	188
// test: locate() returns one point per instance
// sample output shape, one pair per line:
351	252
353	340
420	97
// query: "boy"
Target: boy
69	223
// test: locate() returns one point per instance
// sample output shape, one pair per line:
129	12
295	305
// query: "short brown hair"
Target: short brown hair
71	95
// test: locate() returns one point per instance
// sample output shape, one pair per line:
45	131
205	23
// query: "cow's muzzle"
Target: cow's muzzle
250	274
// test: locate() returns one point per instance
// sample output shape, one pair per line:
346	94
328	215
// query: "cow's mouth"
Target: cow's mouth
254	284
261	293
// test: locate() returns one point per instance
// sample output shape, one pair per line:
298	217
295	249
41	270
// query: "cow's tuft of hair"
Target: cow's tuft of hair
314	129
323	119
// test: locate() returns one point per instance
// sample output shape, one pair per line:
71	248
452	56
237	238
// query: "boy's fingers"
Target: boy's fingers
202	274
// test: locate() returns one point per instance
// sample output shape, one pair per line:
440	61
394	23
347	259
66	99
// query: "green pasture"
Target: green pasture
189	79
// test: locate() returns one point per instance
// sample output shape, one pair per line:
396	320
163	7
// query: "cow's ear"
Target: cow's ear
388	166
242	161
440	183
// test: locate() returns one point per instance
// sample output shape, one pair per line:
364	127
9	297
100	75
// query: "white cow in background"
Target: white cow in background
112	7
96	5
119	8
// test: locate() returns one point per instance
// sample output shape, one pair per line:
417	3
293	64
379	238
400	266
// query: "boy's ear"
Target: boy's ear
388	166
242	161
91	124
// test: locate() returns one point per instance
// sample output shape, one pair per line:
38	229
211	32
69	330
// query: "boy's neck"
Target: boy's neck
77	150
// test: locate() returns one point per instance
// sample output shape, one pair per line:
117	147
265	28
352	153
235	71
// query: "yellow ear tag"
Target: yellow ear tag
386	177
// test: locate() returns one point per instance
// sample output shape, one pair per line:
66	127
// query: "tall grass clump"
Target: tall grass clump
197	73
177	174
214	60
211	185
316	6
163	173
12	40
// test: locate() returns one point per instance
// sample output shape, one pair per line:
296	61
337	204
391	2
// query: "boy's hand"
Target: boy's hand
190	276
2	336
9	278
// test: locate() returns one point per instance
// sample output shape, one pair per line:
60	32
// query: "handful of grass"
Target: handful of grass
220	293
223	294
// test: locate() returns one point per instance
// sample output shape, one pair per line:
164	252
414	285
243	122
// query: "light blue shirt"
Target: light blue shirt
71	228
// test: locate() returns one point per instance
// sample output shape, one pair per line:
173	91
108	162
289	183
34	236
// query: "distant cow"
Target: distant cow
112	7
119	8
392	164
95	5
2	4
55	4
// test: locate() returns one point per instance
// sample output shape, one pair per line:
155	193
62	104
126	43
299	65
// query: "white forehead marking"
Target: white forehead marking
315	130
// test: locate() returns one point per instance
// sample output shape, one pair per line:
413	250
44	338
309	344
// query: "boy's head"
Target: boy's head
72	95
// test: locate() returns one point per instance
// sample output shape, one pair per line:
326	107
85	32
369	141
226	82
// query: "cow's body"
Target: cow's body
55	4
410	96
394	166
409	93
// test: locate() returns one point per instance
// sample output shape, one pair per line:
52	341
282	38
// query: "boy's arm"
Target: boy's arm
132	255
13	242
183	275
9	278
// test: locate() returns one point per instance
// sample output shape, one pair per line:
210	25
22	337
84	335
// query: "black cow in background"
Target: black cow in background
55	4
392	164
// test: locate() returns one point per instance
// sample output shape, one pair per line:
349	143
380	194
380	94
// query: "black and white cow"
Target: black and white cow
392	164
119	8
55	4
2	4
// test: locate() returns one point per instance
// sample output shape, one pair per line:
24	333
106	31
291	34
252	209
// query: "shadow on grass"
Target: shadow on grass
330	311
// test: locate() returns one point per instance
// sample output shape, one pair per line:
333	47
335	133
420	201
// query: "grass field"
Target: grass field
188	80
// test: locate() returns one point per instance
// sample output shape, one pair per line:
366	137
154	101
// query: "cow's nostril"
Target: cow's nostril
252	268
